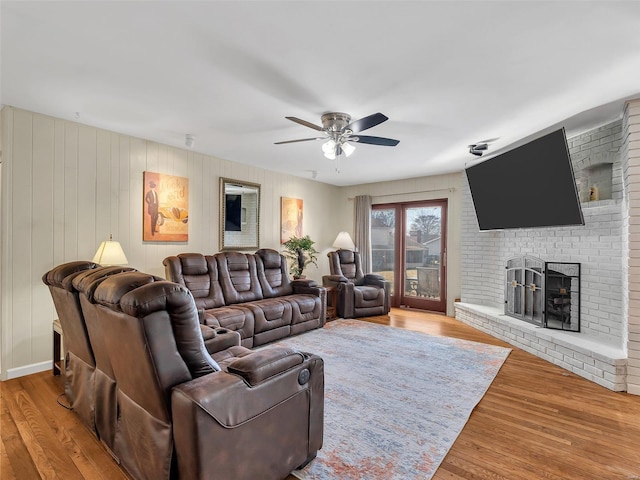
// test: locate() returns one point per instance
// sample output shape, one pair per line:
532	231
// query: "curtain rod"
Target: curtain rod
451	189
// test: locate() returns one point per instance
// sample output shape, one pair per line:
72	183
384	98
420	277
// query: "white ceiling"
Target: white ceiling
447	74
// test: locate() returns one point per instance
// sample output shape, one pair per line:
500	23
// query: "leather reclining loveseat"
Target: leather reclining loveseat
249	293
179	412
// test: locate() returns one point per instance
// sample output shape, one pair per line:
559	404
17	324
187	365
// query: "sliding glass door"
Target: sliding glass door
408	242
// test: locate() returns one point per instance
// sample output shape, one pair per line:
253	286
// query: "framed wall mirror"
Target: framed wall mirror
239	215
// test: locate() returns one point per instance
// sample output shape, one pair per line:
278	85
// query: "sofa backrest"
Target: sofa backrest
273	273
86	283
154	342
238	277
199	273
347	264
67	303
153	337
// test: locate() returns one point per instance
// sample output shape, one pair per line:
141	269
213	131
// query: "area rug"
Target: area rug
395	400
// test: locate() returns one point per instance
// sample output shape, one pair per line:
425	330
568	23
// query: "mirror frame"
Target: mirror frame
253	243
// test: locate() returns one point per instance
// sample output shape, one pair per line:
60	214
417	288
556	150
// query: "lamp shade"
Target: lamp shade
343	240
110	253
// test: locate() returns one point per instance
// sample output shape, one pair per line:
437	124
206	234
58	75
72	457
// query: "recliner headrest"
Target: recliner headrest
346	256
270	258
87	281
193	264
62	275
110	292
236	260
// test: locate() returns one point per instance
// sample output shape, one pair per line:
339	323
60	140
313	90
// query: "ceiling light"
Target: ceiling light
333	149
348	149
329	146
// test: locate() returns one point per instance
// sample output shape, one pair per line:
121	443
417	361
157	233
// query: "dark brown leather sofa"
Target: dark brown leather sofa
181	412
359	294
249	293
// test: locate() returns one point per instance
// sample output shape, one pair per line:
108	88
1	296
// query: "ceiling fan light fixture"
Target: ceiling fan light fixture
348	149
329	147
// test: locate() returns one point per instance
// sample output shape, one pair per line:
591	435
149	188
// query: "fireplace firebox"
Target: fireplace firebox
546	294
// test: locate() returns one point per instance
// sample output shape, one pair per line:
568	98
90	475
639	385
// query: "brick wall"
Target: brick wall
631	150
598	245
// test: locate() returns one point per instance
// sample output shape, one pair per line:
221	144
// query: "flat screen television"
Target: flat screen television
232	213
530	186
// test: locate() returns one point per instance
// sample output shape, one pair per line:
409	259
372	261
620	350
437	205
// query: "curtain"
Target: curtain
362	230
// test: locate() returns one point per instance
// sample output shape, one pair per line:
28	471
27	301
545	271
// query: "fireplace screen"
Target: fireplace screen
524	289
562	310
546	294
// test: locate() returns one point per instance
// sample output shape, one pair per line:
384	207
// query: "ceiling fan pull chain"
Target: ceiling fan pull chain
337	163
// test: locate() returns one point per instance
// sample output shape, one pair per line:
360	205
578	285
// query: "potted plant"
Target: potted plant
301	252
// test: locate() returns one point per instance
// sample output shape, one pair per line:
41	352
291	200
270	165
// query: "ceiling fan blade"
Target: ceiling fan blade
305	123
389	142
367	122
299	140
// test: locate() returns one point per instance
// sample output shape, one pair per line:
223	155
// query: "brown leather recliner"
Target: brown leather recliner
80	364
104	381
89	385
359	294
184	415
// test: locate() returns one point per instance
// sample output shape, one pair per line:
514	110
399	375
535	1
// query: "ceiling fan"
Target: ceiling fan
339	130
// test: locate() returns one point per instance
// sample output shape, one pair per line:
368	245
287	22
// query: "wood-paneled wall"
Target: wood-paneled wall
66	187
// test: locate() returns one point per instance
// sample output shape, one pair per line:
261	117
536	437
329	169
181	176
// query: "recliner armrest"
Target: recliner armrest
264	364
230	401
375	280
303	282
333	280
221	339
309	287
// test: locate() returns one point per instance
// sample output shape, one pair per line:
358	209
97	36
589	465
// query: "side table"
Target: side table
58	348
332	303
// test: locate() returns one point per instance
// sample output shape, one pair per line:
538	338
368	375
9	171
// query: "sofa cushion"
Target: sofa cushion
234	317
304	307
368	296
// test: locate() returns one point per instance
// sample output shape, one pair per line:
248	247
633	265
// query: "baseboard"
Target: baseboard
28	369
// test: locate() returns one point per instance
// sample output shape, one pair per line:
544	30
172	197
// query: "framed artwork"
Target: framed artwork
165	208
290	218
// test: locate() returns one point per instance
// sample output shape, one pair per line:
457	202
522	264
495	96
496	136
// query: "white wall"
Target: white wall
66	187
422	188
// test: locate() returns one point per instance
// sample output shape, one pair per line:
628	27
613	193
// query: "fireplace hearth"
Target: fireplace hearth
546	294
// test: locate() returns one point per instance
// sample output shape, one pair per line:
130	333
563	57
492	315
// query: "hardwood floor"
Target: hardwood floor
536	421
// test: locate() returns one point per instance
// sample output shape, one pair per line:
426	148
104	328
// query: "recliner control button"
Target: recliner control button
304	376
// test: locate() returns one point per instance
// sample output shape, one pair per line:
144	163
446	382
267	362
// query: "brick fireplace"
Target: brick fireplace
597	350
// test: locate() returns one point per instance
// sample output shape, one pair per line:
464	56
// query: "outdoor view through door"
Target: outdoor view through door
408	247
